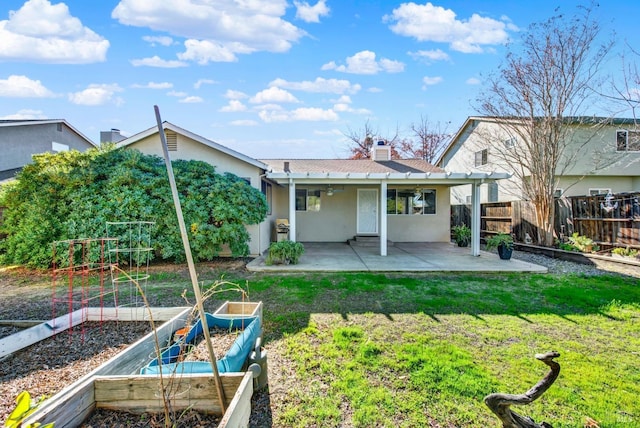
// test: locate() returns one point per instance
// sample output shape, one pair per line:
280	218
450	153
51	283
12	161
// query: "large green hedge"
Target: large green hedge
72	195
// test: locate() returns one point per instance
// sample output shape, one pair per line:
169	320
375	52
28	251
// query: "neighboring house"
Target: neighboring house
21	139
330	200
607	160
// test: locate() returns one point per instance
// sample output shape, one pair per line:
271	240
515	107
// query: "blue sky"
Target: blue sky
269	78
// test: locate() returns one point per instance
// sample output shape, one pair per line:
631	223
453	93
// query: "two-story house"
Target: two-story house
600	156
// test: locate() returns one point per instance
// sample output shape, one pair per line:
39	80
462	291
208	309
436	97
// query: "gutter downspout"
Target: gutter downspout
292	210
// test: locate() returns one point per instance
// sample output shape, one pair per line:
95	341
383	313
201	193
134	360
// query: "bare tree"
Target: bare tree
429	140
541	88
363	140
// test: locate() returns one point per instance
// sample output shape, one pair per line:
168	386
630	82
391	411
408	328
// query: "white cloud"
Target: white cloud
309	13
364	62
201	82
235	95
156	61
25	114
429	81
191	100
42	32
305	114
160	40
216	30
473	81
243	122
204	51
177	94
273	95
97	94
233	106
22	87
153	85
430	56
320	85
436	24
374	90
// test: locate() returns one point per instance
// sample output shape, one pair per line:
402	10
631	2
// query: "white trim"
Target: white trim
383	218
169	126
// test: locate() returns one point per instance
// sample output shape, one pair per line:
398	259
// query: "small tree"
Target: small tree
541	87
428	140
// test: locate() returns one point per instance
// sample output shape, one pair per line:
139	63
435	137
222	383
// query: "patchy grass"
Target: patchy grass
423	350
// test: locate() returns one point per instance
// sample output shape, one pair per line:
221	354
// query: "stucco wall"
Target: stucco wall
337	219
19	143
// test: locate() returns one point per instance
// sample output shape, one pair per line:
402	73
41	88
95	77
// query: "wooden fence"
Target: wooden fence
612	220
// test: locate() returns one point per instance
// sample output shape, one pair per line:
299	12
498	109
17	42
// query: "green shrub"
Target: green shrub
581	243
625	252
462	234
500	239
284	252
71	195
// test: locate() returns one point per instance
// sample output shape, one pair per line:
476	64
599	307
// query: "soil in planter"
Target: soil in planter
221	341
46	367
103	418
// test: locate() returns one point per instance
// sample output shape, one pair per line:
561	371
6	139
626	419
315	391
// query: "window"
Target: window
628	141
493	192
411	202
268	195
558	192
510	143
481	157
596	192
307	200
57	147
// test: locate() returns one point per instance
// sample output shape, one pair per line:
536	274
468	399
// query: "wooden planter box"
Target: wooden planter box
117	385
233	310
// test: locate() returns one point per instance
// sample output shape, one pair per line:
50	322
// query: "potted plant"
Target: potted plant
462	235
503	242
284	252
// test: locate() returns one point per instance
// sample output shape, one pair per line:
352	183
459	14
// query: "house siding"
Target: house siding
188	149
19	143
597	165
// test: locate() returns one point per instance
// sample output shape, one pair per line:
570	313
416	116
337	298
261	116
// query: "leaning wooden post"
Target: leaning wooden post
499	403
192	269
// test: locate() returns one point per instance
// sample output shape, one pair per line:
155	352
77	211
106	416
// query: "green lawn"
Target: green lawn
391	350
416	351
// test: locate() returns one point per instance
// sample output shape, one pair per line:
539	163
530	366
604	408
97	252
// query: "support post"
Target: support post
292	210
475	218
383	218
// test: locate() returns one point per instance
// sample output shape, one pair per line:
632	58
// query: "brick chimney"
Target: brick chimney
381	152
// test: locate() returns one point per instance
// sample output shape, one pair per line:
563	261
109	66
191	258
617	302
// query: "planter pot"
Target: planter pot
504	252
463	242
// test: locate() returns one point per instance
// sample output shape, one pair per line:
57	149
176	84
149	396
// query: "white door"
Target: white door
367	223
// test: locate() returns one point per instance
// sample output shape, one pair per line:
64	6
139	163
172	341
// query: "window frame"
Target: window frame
481	157
599	191
408	199
311	200
622	144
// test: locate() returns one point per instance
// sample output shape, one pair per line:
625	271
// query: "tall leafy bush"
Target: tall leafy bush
71	195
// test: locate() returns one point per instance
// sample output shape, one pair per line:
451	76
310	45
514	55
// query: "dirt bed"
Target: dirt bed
46	367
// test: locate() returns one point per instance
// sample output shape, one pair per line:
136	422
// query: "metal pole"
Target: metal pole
192	269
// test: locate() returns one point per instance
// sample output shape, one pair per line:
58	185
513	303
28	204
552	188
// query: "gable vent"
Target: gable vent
172	141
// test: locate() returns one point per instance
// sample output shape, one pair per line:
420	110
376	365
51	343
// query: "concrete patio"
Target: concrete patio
401	257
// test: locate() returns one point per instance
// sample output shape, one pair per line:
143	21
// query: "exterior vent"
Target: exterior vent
172	141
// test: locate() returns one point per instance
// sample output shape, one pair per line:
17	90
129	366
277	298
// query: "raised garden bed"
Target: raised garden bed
116	384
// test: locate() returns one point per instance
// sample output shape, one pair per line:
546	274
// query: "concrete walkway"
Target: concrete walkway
401	257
